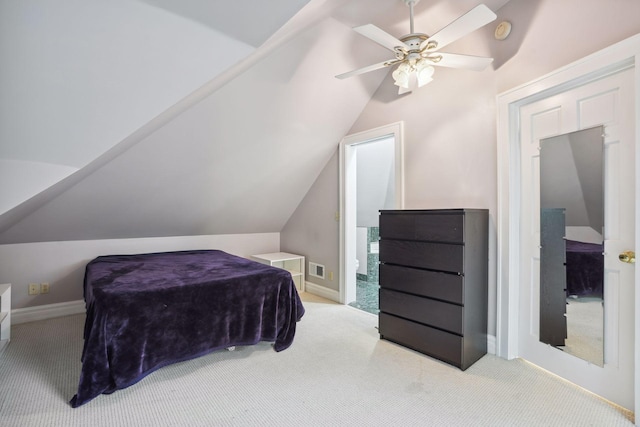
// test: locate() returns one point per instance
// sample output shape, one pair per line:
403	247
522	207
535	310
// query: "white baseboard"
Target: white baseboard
491	344
49	311
322	291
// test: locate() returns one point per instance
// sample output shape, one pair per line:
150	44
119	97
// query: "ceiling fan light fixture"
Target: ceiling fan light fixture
424	74
402	74
411	75
415	53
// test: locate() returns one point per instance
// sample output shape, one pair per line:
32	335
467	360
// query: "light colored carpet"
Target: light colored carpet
585	329
337	372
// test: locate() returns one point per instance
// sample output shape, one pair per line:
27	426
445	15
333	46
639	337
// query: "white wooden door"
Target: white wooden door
609	102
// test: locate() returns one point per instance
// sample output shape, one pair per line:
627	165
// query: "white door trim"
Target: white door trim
347	191
621	55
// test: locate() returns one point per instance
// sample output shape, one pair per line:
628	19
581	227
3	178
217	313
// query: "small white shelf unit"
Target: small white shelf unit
293	263
5	315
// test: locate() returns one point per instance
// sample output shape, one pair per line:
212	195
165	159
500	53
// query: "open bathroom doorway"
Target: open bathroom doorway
371	179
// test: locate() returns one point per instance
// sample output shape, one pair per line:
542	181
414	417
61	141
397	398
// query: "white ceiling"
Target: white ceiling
249	21
240	153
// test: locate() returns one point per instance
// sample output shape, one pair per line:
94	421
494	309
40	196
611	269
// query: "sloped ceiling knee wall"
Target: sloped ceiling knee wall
239	160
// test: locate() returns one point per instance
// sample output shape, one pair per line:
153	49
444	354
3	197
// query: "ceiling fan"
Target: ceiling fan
416	53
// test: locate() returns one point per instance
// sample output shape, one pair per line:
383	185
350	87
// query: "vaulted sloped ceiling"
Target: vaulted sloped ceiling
250	21
236	155
79	76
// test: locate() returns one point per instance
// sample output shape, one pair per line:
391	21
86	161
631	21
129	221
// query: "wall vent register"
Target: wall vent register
433	282
316	270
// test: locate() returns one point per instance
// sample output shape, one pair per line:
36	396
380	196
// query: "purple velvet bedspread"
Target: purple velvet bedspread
585	269
150	310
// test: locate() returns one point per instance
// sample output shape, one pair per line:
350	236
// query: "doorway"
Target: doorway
375	190
598	90
371	178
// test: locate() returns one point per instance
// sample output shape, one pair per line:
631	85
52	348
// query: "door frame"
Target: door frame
348	189
622	55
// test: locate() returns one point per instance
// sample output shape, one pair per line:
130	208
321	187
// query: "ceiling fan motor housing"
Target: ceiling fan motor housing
417	48
411	48
415	40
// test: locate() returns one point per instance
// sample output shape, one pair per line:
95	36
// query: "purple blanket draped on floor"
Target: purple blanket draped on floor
151	310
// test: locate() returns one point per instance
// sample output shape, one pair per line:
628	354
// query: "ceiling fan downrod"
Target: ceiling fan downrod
415	40
411	3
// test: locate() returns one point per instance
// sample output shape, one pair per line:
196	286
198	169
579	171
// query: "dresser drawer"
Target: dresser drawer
433	284
430	227
441	315
434	256
439	344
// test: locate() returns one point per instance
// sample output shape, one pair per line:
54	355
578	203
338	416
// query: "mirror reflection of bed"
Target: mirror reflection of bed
585	304
571	243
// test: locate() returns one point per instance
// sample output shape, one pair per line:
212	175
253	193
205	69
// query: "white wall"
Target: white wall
62	264
78	76
361	250
583	234
375	180
258	141
450	125
21	180
548	34
313	229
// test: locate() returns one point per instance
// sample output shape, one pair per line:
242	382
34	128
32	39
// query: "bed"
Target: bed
585	269
147	311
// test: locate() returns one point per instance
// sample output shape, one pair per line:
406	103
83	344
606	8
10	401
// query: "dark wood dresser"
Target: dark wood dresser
433	282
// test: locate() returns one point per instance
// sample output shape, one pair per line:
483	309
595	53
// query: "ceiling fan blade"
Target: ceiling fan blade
381	37
454	60
477	17
367	69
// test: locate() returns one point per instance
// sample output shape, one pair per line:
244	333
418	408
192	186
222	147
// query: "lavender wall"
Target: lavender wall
450	125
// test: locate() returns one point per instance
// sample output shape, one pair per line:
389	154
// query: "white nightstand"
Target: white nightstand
5	315
294	264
